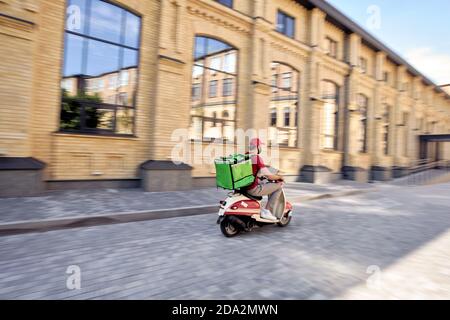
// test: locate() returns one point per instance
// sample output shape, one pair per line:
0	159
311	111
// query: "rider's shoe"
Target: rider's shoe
266	214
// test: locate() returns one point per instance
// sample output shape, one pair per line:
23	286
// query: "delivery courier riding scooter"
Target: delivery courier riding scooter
241	211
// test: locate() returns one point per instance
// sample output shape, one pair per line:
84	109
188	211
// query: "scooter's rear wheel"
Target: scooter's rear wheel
285	220
228	229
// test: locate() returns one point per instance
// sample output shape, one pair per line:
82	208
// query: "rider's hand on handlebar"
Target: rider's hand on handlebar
273	178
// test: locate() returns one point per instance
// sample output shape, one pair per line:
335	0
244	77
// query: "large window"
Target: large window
100	70
285	24
213	114
363	106
329	116
284	105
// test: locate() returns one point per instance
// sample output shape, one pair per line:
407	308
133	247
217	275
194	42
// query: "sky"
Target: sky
417	30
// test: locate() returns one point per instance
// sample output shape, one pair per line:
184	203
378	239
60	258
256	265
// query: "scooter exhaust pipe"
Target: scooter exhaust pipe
236	221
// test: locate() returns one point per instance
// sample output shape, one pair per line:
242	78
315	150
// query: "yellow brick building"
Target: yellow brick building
93	89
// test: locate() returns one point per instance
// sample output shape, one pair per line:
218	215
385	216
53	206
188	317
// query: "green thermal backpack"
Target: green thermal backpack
234	172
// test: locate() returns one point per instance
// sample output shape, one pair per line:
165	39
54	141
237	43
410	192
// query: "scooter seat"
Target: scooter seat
256	198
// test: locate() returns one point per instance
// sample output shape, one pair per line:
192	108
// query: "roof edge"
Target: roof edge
351	26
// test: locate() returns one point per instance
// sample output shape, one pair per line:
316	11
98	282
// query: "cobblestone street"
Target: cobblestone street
327	252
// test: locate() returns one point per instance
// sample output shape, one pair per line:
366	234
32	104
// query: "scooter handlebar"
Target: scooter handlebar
273	181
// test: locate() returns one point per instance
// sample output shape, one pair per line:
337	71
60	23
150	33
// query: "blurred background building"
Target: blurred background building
92	91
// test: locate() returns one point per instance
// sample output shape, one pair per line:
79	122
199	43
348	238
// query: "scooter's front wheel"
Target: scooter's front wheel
228	229
285	220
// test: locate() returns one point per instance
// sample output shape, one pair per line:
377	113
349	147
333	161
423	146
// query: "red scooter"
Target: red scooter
242	212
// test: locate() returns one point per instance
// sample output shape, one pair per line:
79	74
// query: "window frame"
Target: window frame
213	84
227	92
196	87
286	76
234	77
86	37
285	17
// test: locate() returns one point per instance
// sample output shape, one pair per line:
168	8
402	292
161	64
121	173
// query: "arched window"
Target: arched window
100	71
284	102
363	106
214	86
329	118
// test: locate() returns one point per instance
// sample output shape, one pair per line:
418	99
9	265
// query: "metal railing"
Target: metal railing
425	171
419	162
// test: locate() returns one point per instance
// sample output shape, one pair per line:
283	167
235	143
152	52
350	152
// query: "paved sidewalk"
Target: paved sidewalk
61	204
81	208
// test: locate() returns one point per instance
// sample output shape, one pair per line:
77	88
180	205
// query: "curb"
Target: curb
45	225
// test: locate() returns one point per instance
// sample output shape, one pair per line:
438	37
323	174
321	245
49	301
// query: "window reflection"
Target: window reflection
106	21
284	105
100	68
286	24
213	90
102	58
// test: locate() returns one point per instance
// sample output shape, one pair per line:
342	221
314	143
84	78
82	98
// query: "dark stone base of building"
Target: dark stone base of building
381	173
21	177
317	174
355	174
399	172
165	176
